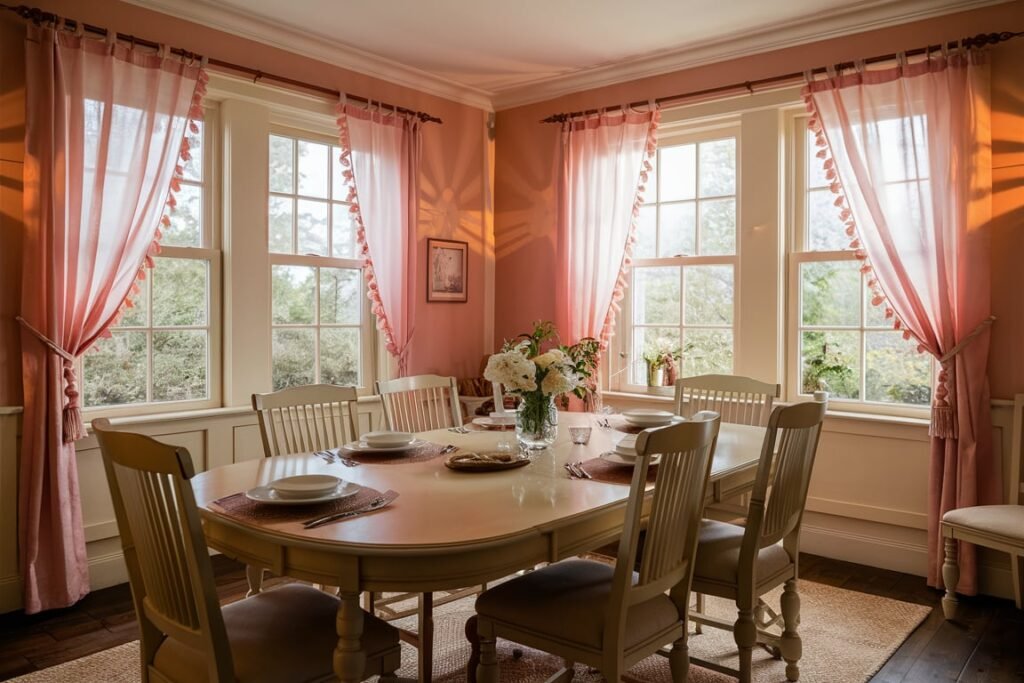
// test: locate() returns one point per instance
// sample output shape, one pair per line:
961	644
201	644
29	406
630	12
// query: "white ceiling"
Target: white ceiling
500	53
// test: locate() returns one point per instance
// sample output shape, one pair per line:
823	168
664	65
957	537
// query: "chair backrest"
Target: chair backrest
420	403
783	478
686	452
739	400
168	564
314	417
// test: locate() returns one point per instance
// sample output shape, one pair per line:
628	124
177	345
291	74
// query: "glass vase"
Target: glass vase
536	422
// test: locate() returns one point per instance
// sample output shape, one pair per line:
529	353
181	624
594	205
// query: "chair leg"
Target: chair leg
487	670
679	660
698	628
950	577
474	649
1017	570
745	634
254	577
426	626
790	645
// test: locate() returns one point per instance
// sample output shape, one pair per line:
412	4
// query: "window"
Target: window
684	269
841	342
318	311
166	347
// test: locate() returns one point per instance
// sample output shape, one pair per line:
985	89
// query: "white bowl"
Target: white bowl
388	439
305	486
645	417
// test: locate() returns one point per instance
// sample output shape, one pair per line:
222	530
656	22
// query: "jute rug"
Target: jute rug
847	637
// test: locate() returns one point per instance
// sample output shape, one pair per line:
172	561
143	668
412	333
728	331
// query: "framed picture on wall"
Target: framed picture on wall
447	271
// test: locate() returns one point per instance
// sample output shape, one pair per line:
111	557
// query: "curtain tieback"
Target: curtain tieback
944	424
72	427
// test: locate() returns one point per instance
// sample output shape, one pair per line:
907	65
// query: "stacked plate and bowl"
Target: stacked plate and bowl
624	452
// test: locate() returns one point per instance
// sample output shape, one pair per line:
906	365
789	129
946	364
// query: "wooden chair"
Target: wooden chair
739	400
1000	527
421	403
608	617
742	563
302	419
286	634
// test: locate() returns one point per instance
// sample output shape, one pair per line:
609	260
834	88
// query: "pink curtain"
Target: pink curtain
380	152
909	152
105	130
605	163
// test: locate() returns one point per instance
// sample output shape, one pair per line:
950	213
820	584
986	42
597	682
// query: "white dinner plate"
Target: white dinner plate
613	457
495	422
651	418
265	494
363	447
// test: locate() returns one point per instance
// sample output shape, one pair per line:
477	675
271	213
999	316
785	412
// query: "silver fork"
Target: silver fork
332	458
578	465
458	430
573	474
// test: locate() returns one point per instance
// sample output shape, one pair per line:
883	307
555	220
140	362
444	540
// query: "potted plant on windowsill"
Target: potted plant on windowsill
662	357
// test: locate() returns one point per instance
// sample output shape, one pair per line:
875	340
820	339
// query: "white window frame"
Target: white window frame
300	130
619	366
796	130
210	253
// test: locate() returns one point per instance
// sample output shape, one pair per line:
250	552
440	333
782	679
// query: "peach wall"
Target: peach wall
452	179
525	168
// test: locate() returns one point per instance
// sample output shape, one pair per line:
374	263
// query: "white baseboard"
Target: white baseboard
10	594
104	571
884	553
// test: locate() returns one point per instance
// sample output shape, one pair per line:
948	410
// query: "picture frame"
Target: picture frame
447	271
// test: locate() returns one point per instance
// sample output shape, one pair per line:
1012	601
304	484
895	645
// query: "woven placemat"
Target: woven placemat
425	451
611	473
241	508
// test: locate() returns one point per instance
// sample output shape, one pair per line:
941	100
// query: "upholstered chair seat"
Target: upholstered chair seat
569	600
286	634
1006	521
718	554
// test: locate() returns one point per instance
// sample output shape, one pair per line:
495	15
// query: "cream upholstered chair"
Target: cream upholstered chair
610	617
420	403
739	400
286	634
302	419
1000	527
742	563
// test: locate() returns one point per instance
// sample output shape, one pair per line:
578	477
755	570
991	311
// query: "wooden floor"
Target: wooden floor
987	643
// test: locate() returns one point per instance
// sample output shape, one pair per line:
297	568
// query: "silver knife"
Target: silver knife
374	504
582	472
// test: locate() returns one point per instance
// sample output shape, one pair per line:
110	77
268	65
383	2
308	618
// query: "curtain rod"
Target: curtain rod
979	40
38	16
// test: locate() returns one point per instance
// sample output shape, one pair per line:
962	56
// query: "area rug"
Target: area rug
847	637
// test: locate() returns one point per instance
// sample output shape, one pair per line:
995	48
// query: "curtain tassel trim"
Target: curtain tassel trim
72	426
622	282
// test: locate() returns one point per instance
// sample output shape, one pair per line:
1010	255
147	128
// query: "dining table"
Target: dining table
446	529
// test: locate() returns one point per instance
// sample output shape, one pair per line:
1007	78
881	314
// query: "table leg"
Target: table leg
426	650
349	657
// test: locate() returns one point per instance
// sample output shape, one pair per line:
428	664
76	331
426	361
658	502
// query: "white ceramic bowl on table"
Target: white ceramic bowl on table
647	417
303	486
388	439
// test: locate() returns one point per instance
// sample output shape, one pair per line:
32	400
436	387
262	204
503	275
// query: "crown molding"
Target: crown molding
309	45
865	16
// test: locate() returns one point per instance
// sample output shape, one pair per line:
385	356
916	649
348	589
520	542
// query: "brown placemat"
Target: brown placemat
610	473
241	508
426	451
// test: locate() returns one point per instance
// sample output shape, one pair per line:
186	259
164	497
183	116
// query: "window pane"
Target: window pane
312	225
652	343
339	356
339	296
708	352
825	232
677	173
904	145
718	227
646	232
293	362
282	171
718	168
338	190
186	228
179	365
193	168
708	295
831	361
293	288
313	169
114	370
179	292
678	228
282	211
656	296
830	293
344	227
894	371
138	314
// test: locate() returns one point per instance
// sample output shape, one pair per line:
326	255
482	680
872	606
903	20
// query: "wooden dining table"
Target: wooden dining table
447	529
